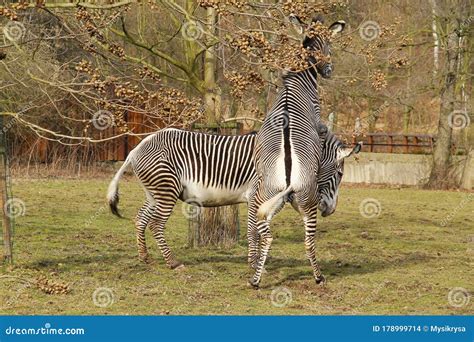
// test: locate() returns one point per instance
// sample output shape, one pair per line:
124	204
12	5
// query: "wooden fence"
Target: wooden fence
44	151
394	142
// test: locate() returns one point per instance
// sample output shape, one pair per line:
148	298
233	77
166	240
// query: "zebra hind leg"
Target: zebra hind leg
266	239
310	220
162	211
252	237
141	222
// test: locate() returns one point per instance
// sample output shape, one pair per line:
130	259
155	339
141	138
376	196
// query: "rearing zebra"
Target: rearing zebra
288	152
211	170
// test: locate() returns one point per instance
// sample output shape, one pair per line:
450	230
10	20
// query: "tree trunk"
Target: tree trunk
434	28
213	226
442	150
212	96
466	177
6	221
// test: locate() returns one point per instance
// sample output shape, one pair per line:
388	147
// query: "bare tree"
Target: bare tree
453	24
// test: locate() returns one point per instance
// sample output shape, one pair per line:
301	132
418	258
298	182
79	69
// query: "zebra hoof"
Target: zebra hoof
145	259
321	280
176	265
254	284
180	267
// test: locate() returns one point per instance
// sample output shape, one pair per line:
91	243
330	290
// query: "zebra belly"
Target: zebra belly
212	196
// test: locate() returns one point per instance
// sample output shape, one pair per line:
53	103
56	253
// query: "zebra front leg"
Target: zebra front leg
141	222
266	239
310	221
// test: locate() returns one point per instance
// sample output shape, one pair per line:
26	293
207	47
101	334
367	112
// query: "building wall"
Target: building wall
401	169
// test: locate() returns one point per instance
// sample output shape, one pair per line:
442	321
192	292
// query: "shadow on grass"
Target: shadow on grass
330	268
79	260
292	269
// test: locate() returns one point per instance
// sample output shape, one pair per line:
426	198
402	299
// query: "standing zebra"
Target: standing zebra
209	170
288	153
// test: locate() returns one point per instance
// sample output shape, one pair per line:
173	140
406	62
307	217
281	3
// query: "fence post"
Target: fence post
331	122
371	143
405	141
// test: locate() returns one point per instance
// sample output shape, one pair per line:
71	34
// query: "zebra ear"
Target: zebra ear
357	147
347	151
297	23
337	27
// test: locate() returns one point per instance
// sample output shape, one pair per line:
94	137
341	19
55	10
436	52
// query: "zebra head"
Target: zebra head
332	169
319	43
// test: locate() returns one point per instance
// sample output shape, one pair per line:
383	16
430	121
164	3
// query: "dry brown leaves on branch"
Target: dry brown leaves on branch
242	82
222	6
398	62
10	11
319	29
92	22
378	80
117	96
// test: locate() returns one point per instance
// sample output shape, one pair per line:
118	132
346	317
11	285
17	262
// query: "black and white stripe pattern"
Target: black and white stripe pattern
208	170
288	154
202	169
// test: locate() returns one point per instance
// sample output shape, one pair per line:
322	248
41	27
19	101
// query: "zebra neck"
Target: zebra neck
306	79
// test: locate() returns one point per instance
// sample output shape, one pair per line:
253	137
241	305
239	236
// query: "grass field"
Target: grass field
403	261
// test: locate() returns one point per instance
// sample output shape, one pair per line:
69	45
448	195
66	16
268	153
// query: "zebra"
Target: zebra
288	154
209	170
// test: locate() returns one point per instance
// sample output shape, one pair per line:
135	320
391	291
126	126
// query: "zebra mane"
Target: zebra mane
329	138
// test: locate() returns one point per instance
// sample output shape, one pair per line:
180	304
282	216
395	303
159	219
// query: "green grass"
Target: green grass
401	262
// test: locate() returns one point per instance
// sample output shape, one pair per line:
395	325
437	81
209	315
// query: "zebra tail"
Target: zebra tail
113	190
268	208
